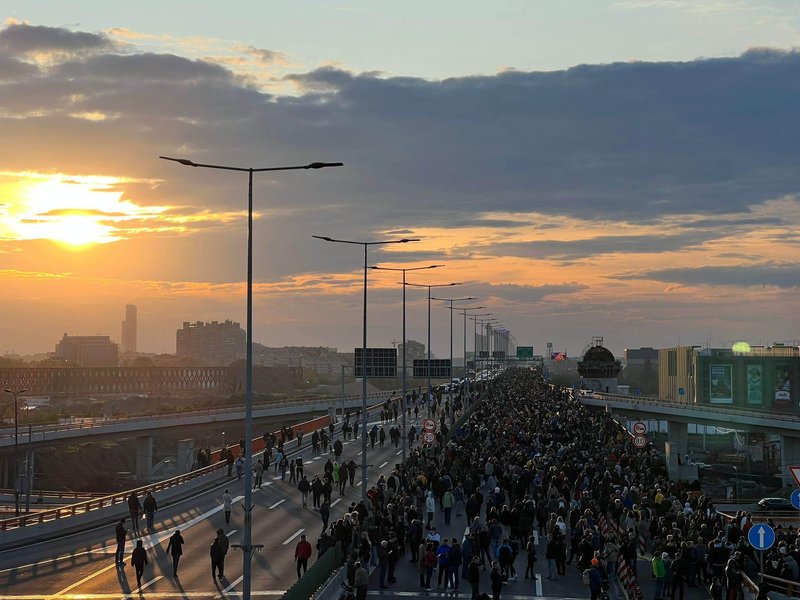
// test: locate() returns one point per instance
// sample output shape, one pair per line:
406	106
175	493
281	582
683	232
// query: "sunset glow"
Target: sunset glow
76	211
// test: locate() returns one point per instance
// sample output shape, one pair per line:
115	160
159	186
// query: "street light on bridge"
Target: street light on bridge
16	394
247	546
366	245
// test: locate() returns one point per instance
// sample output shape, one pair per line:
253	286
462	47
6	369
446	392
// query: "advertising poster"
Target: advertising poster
755	385
783	386
721	384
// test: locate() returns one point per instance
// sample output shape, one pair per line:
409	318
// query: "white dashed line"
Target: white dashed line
384	464
278	503
335	502
298	532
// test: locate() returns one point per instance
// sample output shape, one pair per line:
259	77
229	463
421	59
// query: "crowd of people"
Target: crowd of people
535	476
531	463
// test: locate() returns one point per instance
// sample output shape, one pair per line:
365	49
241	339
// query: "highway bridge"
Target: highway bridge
783	428
72	557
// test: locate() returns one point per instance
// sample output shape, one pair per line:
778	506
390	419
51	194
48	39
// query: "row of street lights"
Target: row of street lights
247	546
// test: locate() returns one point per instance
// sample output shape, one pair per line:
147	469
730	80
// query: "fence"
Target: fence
317	576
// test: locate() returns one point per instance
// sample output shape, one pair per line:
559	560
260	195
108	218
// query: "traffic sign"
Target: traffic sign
795	471
640	441
429	437
795	499
639	428
761	536
429	425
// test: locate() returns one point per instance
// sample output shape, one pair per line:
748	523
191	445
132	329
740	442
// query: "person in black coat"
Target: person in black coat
138	561
175	548
135	508
121	534
497	580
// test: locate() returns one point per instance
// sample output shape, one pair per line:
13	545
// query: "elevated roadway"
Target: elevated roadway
81	565
784	428
115	426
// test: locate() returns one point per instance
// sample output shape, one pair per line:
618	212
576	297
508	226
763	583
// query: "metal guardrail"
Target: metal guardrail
60	494
39	432
702	408
118	498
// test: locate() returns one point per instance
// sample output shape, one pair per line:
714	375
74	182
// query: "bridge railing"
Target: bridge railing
39	432
660	402
121	497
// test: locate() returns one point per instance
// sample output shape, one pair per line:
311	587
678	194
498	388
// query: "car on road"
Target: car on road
775	504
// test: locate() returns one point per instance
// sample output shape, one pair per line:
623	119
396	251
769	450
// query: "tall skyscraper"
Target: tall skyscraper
129	329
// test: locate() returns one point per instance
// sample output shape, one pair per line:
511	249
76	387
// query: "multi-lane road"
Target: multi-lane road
82	565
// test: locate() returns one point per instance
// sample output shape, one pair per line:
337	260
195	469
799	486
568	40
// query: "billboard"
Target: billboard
783	386
524	351
381	362
755	385
721	384
439	368
499	354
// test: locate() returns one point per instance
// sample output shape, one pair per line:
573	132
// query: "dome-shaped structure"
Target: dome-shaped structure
599	369
598	354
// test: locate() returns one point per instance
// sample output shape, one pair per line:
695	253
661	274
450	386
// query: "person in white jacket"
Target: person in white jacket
430	507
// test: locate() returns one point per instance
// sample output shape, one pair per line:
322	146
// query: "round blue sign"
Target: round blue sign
795	499
761	536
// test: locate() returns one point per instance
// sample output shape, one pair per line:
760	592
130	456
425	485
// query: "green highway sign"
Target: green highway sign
524	351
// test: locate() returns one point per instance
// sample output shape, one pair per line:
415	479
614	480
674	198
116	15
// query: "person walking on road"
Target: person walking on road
361	581
325	514
135	508
497	580
474	576
175	548
302	552
138	561
219	548
121	534
227	504
304	486
150	506
259	470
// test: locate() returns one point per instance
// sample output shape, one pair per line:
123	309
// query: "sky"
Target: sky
621	168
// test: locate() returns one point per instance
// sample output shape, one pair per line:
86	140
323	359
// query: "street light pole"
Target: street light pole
428	366
16	394
366	245
405	342
450	386
247	546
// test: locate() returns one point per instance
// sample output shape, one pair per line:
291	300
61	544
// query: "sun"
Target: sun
76	212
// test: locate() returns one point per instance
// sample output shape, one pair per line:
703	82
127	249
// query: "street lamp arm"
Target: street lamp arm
330	239
190	163
454	299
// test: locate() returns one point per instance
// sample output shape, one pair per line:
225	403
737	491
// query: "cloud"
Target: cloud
757	275
20	39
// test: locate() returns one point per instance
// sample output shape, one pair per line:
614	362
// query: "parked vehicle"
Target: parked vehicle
775	504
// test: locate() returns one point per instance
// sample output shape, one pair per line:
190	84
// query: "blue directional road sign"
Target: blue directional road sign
795	498
761	536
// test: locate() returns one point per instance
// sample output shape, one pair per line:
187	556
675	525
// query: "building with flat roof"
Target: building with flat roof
761	377
88	350
211	343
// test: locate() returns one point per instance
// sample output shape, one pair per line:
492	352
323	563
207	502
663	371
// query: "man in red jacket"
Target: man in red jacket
302	552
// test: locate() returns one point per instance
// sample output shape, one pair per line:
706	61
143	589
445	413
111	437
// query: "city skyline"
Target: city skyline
651	201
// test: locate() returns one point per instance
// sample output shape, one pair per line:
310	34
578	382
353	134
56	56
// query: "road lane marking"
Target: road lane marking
335	502
230	587
360	453
278	503
85	579
294	535
360	482
139	589
398	452
384	464
151	541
